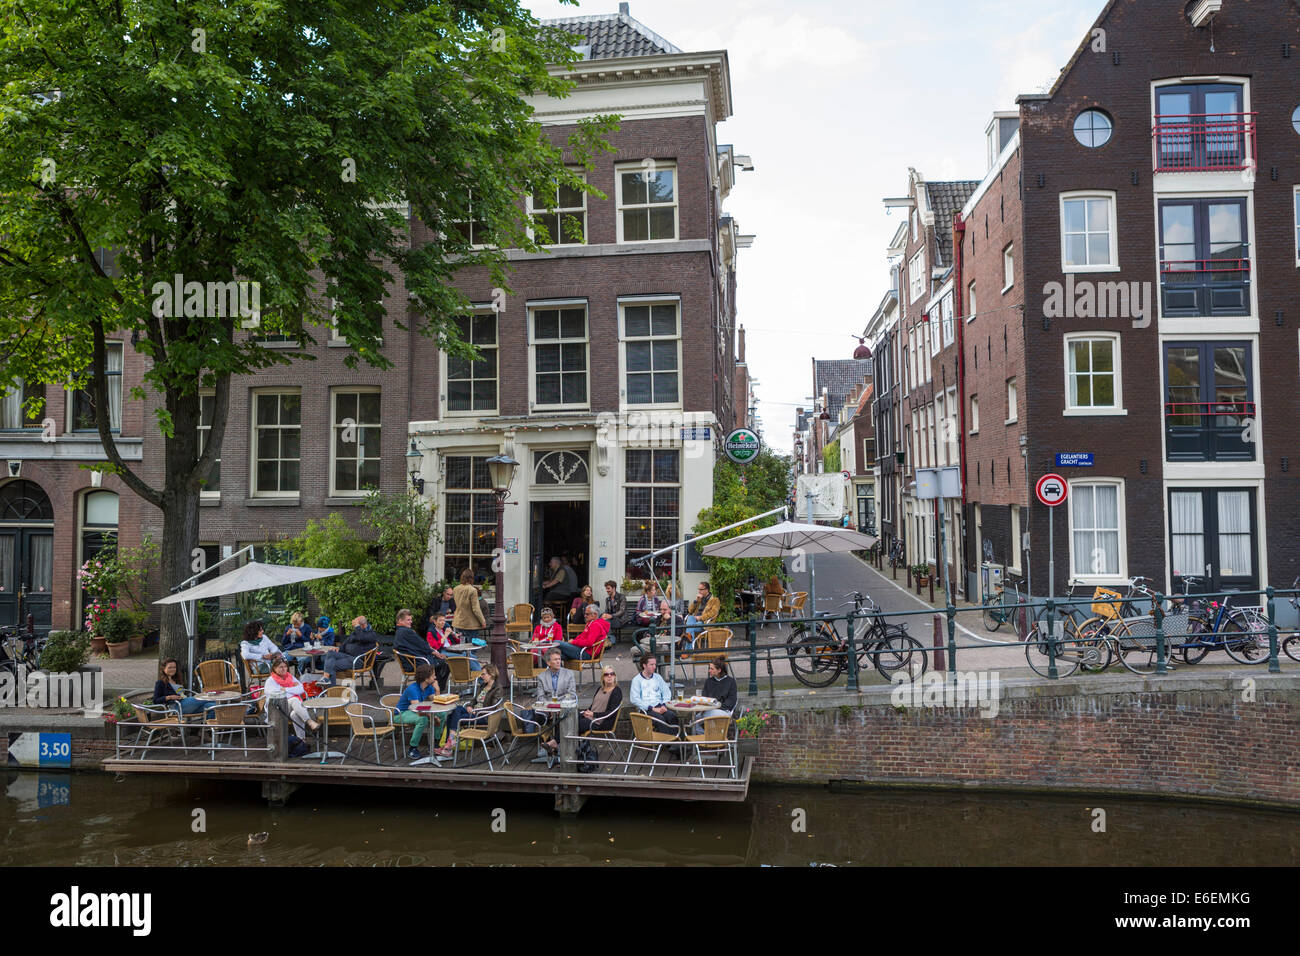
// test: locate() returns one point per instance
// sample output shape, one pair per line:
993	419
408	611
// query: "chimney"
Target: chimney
740	338
624	9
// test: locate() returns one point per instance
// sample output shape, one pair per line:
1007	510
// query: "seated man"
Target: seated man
406	641
615	610
703	610
587	645
651	607
555	681
556	589
422	688
359	642
651	693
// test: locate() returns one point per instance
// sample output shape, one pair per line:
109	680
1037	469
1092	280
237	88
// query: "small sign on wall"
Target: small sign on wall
40	750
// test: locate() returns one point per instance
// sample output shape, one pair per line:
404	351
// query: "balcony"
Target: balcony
1204	287
1203	142
1208	431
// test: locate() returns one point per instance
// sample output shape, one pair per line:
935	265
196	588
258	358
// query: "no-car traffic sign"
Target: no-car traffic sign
1051	489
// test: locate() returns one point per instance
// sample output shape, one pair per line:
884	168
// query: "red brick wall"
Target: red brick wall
1205	742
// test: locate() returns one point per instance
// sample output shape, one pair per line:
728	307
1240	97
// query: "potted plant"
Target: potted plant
117	628
137	633
748	728
921	572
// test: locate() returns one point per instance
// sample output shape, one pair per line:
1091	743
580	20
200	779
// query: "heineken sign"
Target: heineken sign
742	446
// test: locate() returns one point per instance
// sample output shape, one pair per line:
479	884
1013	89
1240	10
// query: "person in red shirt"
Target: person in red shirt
587	645
549	631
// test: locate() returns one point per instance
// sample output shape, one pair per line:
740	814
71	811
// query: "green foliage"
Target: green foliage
118	626
920	570
120	574
765	486
378	585
122	709
753	723
831	458
65	651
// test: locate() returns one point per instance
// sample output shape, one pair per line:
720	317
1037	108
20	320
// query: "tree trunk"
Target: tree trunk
180	537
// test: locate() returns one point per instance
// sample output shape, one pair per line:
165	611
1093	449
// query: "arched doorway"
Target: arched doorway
26	554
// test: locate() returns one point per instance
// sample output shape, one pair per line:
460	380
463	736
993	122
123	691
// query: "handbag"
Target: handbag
585	755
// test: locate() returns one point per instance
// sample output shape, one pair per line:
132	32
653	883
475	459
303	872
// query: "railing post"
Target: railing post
853	657
952	635
751	635
1273	666
1157	609
1050	638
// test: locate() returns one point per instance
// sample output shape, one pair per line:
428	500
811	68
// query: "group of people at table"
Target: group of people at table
455	621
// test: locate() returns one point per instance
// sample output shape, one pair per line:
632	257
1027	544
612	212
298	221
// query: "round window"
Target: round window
1093	128
1295	119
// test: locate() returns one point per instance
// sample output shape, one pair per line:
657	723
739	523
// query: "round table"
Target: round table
566	728
218	696
325	705
466	646
309	653
684	708
429	708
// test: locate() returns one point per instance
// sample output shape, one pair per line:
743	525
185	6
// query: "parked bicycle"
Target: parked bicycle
818	655
1002	605
1291	645
1241	632
18	647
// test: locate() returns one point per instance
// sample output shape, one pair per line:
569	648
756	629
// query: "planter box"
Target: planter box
137	644
98	645
747	747
119	651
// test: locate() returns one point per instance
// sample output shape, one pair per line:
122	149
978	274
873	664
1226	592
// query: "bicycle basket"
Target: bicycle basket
1104	608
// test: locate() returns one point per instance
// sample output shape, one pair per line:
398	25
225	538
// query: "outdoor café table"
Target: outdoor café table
566	727
324	705
218	696
310	653
429	709
684	710
466	647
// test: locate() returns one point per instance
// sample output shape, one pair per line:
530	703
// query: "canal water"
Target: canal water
87	818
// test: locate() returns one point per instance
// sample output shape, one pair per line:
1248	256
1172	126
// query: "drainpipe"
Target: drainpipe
959	316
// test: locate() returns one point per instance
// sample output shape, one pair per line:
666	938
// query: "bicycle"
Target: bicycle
818	657
1071	648
896	555
1001	605
1132	637
1291	646
19	648
1241	632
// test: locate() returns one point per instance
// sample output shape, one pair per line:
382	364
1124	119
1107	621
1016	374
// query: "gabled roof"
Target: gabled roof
613	35
838	376
946	199
866	398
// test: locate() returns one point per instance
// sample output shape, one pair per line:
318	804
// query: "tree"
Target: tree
157	154
831	457
740	492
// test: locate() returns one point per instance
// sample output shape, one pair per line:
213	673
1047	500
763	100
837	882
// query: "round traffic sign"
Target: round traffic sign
742	446
1051	489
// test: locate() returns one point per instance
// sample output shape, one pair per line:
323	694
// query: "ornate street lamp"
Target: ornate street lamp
501	472
414	458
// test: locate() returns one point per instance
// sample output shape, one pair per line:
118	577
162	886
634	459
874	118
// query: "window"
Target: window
207	405
1092	379
650	354
1014	550
1295	119
469	531
474	231
1204	257
562	213
647	203
916	283
974	414
1011	400
559	356
98	531
1297	225
1096	530
12	413
1213	537
945	310
356	447
472	386
1092	128
970	302
1209	407
81	400
1088	234
1008	267
277	425
1201	126
652	482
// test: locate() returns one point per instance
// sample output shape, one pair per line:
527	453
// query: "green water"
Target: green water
65	819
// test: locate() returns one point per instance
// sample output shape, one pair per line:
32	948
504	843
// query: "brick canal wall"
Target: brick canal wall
1190	736
92	739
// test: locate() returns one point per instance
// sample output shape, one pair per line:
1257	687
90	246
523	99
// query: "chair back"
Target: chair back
524	666
715	728
408	664
356	718
342	691
460	670
494	721
255	672
367	661
517	727
642	726
226	714
800	597
712	644
143	716
521	614
216	675
771	604
390	701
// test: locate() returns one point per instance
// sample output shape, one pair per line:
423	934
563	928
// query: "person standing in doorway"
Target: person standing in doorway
469	621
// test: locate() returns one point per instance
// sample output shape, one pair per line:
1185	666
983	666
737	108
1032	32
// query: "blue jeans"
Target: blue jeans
571	652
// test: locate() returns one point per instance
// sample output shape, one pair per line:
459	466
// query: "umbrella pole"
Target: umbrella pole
812	587
672	628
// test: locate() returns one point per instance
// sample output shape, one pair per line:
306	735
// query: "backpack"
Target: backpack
585	756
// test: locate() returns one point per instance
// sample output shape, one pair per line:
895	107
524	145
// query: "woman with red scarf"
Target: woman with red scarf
548	632
282	684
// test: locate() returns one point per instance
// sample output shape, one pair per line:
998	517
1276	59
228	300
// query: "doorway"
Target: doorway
1214	537
558	529
26	555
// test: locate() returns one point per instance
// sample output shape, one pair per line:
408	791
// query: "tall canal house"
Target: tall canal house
608	374
1123	285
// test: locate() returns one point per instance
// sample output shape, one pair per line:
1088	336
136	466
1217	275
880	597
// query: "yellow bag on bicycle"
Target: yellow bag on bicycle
1104	608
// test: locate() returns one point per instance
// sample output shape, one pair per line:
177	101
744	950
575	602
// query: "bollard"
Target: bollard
1158	614
1273	666
938	643
1050	636
931	579
752	634
277	735
853	657
952	637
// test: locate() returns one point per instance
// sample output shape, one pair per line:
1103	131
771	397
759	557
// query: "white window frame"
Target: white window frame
624	339
1112	214
1085	410
1085	575
444	393
70	395
334	426
1296	193
1008	267
471	221
916	276
336	340
254	490
561	212
620	207
946	320
11	401
1013	401
970	301
974	414
204	493
1014	563
559	304
628	484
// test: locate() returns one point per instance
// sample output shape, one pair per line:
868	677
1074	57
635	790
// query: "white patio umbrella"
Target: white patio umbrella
790	537
248	577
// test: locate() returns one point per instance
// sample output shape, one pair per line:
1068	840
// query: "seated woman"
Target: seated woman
600	715
297	634
282	685
578	606
167	690
548	632
420	689
721	685
257	648
488	697
440	636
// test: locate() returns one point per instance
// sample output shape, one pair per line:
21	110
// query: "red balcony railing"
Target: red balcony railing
1203	142
1203	409
1202	266
1209	431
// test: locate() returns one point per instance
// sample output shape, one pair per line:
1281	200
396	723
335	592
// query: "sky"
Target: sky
834	102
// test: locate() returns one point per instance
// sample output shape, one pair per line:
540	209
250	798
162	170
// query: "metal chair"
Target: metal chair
366	720
155	719
408	663
362	665
461	673
255	672
646	738
342	691
485	728
772	607
581	664
714	739
226	720
216	675
520	729
525	670
520	621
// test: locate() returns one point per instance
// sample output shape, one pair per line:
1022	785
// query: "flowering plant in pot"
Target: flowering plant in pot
97	612
117	628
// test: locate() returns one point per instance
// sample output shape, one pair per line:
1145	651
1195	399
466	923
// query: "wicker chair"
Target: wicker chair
772	607
521	728
715	739
366	720
520	622
646	738
344	692
255	672
408	664
525	670
361	666
485	729
461	673
216	675
155	719
583	663
226	721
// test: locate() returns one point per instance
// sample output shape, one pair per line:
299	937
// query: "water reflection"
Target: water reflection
143	821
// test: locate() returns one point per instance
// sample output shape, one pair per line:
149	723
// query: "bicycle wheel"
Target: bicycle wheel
1067	652
815	659
1194	651
1137	649
1245	638
1291	647
993	617
897	653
